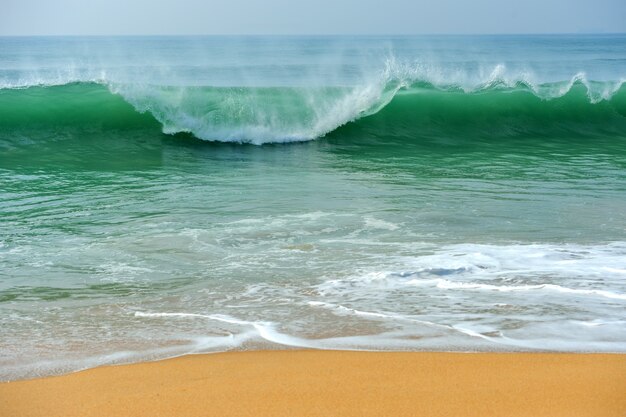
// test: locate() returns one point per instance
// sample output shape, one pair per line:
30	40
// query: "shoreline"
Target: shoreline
333	383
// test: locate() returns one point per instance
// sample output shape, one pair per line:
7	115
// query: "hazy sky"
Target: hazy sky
178	17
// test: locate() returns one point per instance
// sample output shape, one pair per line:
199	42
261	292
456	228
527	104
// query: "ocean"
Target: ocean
161	196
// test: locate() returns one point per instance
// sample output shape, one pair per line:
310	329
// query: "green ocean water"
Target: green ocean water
175	195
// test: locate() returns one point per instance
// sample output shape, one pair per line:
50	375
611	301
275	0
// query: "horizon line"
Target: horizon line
309	34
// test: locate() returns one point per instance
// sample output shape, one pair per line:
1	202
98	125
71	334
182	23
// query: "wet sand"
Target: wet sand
333	383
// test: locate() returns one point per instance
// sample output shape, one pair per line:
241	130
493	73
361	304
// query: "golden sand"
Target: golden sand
331	383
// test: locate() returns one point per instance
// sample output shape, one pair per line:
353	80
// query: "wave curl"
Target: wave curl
404	102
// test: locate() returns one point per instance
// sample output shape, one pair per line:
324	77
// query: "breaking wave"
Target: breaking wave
398	105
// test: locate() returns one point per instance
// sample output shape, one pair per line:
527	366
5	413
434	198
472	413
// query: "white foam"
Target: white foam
374	223
467	262
447	285
342	310
264	330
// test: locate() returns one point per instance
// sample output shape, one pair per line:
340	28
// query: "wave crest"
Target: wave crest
403	100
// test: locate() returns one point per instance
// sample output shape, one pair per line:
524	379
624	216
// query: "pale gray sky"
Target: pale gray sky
195	17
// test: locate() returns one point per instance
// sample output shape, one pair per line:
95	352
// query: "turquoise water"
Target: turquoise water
162	196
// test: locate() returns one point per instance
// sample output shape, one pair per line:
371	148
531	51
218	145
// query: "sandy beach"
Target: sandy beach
333	383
